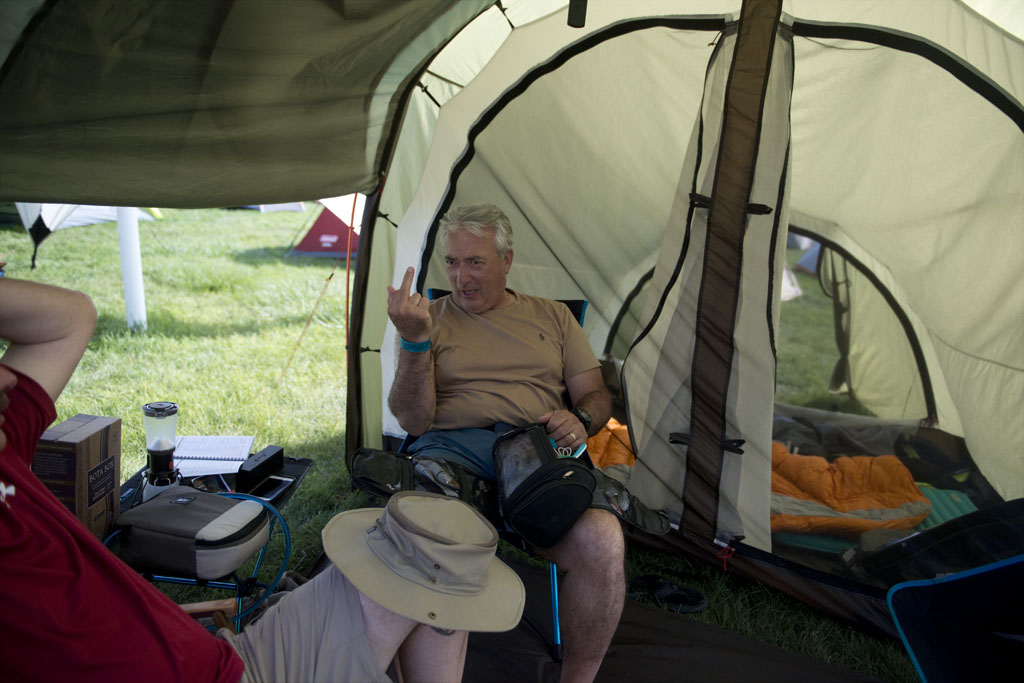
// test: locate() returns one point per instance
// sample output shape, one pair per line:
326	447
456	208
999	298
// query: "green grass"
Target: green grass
226	311
807	351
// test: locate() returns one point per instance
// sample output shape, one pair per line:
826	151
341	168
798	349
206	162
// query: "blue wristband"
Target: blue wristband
415	347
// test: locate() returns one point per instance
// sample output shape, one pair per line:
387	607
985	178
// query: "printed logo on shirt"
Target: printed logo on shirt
5	491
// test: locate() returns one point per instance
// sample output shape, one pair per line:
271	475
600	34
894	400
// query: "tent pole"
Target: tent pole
131	267
355	435
348	262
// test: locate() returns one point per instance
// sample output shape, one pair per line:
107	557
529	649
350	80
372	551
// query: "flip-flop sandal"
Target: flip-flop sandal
667	595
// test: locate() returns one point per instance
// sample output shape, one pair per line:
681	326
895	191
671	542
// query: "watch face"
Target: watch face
584	417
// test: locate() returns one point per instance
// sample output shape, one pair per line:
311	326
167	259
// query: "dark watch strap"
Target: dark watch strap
584	417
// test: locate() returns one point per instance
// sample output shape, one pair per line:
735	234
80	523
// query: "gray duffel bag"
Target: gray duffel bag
189	533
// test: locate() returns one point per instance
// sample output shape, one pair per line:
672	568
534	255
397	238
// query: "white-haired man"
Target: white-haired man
485	359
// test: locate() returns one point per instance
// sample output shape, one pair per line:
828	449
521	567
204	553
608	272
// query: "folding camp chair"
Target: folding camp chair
963	626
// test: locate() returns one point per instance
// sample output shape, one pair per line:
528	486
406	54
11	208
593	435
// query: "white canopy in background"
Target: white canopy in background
56	216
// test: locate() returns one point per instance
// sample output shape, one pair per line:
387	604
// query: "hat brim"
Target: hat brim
498	607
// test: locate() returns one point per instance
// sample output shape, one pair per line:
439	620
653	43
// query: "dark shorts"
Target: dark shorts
470	448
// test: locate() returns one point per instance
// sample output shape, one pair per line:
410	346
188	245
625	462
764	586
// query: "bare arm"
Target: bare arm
48	329
412	398
586	391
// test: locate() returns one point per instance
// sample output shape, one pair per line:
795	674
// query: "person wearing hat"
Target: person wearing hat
411	579
408	580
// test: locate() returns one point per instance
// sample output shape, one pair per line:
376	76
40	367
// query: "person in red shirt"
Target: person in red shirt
71	610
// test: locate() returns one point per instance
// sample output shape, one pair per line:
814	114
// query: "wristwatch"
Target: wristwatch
584	417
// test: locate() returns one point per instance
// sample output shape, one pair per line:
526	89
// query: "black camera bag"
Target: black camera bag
541	495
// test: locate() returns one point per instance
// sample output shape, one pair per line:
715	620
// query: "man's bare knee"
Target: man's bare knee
596	538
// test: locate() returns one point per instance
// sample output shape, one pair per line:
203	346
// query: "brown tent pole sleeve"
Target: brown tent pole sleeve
720	284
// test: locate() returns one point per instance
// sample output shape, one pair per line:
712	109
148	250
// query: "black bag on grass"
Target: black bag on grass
384	473
541	495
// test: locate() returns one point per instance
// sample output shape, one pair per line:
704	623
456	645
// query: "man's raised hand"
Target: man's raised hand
410	313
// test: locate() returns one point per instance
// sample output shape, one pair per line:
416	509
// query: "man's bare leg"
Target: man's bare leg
428	656
592	593
385	630
425	654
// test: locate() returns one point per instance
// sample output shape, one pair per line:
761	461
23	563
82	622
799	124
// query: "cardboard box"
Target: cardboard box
79	461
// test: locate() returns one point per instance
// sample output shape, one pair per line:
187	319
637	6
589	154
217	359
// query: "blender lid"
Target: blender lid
160	409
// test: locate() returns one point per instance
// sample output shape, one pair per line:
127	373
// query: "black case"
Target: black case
541	495
384	473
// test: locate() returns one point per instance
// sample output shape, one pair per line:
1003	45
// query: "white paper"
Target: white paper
198	455
197	468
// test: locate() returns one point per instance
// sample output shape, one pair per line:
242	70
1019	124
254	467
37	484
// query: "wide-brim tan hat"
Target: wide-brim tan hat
430	558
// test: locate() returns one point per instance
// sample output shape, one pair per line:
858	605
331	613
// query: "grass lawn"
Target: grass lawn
807	351
227	339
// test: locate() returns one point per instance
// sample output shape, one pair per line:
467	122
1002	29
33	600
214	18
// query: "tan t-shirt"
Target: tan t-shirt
504	365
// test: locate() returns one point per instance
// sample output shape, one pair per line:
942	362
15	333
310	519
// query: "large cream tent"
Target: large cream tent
652	161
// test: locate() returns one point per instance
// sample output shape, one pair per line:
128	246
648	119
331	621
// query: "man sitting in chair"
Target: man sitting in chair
486	359
407	581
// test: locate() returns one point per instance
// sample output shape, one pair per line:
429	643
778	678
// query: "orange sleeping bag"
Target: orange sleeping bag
846	497
611	446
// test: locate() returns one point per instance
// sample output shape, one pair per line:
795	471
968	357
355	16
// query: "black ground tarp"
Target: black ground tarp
650	645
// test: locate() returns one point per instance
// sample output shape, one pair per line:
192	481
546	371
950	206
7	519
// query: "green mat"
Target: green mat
946	505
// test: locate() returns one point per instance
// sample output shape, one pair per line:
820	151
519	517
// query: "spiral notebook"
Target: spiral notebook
197	455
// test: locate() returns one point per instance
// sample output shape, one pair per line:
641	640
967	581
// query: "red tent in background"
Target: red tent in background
332	236
328	236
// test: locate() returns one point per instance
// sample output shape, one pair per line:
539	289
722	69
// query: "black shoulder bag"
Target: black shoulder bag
541	495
